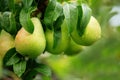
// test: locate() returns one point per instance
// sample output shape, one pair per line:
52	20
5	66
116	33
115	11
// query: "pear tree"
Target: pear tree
32	28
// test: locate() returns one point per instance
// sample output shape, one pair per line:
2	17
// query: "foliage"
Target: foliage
99	61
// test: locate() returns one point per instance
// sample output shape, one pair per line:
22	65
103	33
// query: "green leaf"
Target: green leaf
57	37
57	24
0	29
8	55
71	16
53	11
8	23
4	5
83	18
0	21
30	75
37	68
57	30
4	20
13	60
43	69
19	68
13	29
12	5
25	19
27	3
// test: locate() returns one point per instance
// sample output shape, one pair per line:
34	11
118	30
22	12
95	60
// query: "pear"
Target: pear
6	43
92	33
28	44
62	45
73	48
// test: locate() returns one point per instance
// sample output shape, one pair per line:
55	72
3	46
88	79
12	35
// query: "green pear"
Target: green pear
73	48
6	43
92	33
28	44
62	45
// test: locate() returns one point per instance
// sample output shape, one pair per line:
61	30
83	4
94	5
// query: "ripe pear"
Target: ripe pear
73	48
92	33
62	45
28	44
6	43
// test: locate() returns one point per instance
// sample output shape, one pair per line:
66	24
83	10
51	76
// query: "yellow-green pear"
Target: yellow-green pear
62	45
73	48
28	44
92	33
6	43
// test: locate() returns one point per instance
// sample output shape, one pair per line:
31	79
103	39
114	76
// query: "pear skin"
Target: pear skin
73	48
92	33
62	45
28	44
6	43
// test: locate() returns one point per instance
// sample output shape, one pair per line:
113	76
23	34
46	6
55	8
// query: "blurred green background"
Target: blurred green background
100	61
